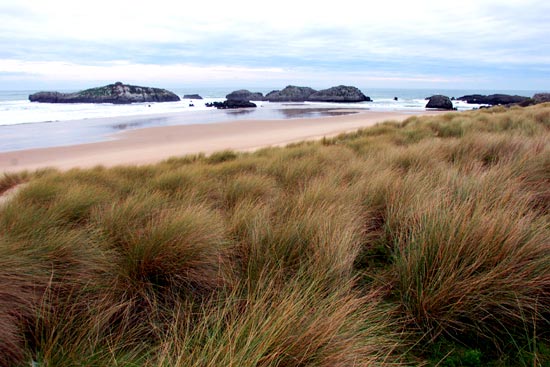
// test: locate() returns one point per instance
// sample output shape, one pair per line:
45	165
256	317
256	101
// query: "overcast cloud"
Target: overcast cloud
490	44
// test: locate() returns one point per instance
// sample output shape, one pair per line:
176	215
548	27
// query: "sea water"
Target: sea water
25	124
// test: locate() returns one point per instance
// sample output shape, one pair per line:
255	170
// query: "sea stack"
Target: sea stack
339	94
117	93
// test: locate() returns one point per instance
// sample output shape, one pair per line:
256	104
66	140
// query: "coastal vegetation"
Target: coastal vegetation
425	242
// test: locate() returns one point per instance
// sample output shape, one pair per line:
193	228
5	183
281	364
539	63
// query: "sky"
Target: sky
466	44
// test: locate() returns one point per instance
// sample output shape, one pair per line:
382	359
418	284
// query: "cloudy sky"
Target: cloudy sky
475	44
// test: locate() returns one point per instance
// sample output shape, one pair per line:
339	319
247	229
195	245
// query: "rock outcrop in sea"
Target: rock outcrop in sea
238	99
440	102
340	93
493	99
290	93
117	93
244	95
192	96
230	103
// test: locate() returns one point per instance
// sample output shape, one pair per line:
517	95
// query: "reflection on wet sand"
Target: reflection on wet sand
287	113
240	111
290	113
140	123
260	113
128	125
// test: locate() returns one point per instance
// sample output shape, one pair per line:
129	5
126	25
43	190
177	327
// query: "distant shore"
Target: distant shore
151	145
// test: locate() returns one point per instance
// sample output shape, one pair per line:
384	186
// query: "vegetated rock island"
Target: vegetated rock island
120	93
290	93
117	93
339	94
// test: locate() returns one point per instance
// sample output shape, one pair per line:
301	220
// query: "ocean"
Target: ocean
25	125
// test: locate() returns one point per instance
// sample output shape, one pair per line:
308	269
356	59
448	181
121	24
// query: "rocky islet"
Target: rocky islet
290	93
339	94
117	93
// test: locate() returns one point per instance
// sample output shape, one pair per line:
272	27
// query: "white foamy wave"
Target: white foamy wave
389	104
13	112
25	112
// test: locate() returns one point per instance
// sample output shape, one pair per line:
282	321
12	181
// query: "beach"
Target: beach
154	144
302	184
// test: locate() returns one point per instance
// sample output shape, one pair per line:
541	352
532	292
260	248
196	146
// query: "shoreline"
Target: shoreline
154	144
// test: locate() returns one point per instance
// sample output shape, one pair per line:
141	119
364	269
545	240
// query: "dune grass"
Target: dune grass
418	243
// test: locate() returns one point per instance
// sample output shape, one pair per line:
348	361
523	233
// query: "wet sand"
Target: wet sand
150	145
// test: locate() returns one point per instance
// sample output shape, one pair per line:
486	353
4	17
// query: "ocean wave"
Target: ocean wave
14	112
25	112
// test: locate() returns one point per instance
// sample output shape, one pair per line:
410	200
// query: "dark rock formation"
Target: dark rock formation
192	96
440	102
48	97
230	103
244	95
541	97
526	103
340	93
113	93
291	93
238	99
493	99
536	99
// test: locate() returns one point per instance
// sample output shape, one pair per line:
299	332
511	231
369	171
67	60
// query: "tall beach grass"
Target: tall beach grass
414	243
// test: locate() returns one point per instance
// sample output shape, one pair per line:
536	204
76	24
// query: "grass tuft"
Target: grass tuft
415	243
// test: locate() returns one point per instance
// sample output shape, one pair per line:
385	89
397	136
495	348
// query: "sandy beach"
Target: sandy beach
150	145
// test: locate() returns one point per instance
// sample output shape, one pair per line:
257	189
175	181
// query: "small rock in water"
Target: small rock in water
192	96
230	104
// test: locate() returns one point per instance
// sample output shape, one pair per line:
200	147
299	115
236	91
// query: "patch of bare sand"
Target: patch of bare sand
7	195
151	145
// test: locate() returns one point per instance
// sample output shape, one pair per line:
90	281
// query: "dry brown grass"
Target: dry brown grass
356	250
